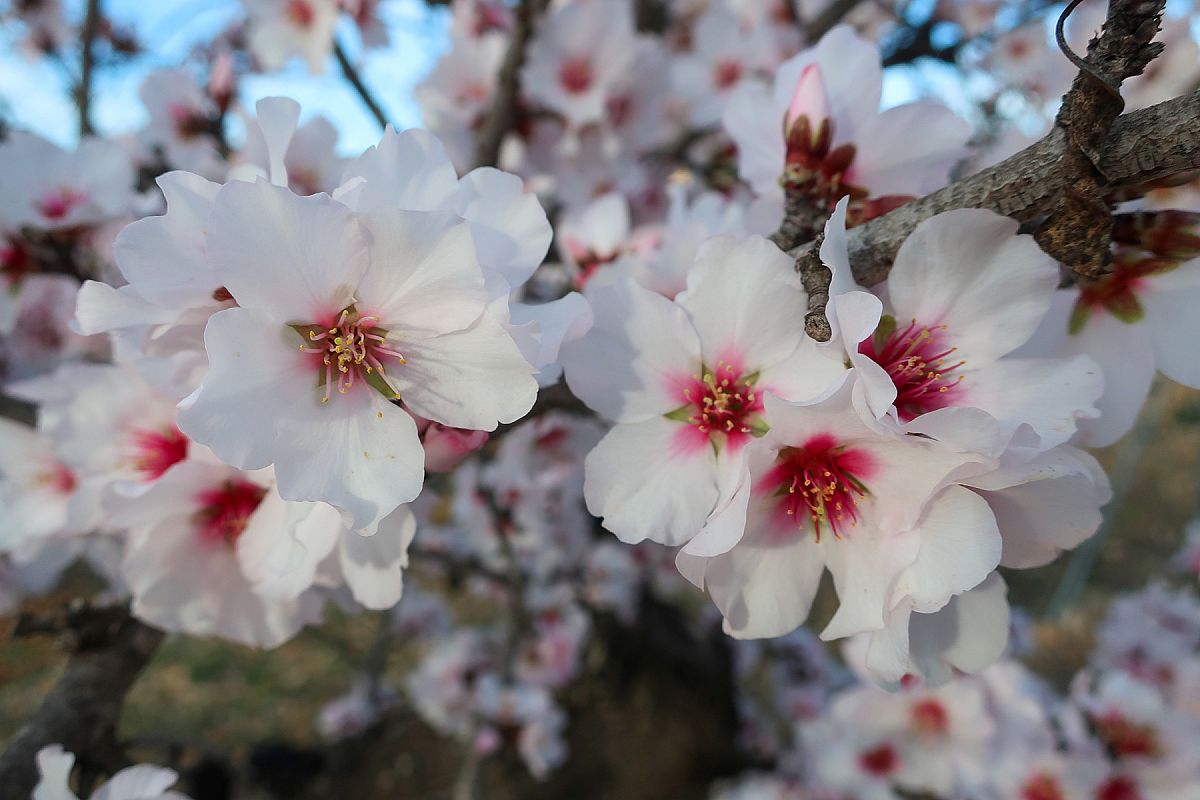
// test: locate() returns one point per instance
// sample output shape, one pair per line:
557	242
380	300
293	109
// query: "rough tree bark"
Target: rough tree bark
109	651
1141	147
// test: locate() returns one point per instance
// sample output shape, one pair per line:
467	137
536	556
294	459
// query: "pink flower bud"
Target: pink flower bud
487	741
221	80
808	100
446	447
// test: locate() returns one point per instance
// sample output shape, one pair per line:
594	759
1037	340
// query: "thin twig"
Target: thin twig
503	114
87	60
356	81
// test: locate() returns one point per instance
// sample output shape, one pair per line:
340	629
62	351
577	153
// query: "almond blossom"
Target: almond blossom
181	560
47	188
824	490
821	130
280	30
964	292
581	50
458	92
37	490
685	384
724	57
1133	322
406	316
182	123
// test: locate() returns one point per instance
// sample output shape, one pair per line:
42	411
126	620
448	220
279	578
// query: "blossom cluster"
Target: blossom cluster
1125	727
267	378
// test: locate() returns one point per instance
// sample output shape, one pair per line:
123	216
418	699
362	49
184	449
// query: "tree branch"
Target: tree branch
1078	233
832	14
503	113
110	649
1140	148
356	81
87	60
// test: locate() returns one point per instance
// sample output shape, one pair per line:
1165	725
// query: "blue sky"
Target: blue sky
35	92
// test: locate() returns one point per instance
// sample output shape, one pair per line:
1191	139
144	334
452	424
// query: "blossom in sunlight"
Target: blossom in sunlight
141	782
302	373
280	30
885	513
964	292
1134	321
307	153
580	51
37	490
182	123
181	562
48	188
685	383
820	130
724	57
457	94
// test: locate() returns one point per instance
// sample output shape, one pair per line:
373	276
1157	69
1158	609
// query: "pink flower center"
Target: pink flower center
1042	787
929	717
58	477
880	761
155	451
1118	291
1118	787
225	510
15	263
58	204
1124	737
300	13
723	403
575	75
352	350
727	73
920	365
820	481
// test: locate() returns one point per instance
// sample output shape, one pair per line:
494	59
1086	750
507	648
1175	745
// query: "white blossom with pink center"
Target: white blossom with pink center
40	335
724	56
835	88
51	189
1150	740
1133	322
964	292
940	739
329	330
581	50
37	490
458	92
181	123
280	30
684	382
883	512
181	561
117	430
